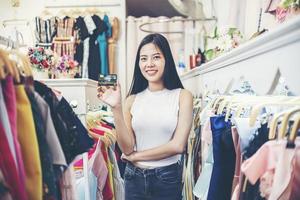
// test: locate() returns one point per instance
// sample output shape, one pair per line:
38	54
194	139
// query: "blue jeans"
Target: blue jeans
162	183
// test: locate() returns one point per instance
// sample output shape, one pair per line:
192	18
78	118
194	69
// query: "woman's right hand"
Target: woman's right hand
110	95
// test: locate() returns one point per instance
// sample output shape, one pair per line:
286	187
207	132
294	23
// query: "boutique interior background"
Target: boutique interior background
246	15
29	9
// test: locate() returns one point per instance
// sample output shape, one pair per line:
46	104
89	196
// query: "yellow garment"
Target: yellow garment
112	44
29	145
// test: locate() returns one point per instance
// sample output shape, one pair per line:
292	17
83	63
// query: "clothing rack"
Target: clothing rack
72	5
173	20
8	42
15	22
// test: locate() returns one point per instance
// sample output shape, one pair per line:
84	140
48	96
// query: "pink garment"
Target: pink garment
67	185
8	167
206	137
283	173
295	183
281	14
5	195
206	134
266	182
263	160
236	142
272	158
100	170
79	163
235	194
10	102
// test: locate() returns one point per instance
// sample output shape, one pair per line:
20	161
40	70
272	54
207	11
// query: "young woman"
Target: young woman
153	127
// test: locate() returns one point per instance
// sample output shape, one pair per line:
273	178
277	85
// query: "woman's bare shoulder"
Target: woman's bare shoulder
184	93
129	101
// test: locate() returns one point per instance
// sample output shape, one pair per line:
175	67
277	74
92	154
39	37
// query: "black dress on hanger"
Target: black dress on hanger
94	58
94	54
82	35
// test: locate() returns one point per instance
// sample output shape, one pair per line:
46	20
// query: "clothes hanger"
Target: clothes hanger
222	105
15	22
244	89
62	13
46	14
94	11
294	132
232	100
197	102
102	128
242	86
228	87
286	119
86	12
17	77
93	135
12	66
217	101
75	13
234	104
18	61
252	102
2	72
7	64
257	109
245	102
111	140
273	124
25	65
105	140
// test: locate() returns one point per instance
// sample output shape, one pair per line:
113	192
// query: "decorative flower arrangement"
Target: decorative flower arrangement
222	42
41	59
287	8
66	66
290	4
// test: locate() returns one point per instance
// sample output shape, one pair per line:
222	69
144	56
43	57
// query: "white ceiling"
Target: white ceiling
152	8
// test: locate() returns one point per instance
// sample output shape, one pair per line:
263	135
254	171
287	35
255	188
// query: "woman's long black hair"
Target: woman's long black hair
170	77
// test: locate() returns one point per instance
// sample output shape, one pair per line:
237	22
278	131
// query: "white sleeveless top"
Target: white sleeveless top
154	120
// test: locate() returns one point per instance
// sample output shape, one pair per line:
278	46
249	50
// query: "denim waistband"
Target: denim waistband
146	171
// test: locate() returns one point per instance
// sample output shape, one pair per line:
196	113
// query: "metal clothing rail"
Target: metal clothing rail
8	42
173	20
83	6
15	22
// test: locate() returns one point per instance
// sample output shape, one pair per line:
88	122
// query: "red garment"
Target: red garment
105	125
79	163
97	131
8	167
10	103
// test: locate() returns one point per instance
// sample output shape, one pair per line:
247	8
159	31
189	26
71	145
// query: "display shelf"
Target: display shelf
257	60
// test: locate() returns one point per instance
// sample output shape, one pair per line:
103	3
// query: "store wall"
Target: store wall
244	15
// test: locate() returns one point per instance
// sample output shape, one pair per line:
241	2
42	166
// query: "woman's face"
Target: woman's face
152	63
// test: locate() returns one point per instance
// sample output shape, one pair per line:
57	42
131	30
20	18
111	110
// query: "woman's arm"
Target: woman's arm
125	134
178	143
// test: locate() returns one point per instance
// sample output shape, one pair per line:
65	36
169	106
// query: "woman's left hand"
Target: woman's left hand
130	158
